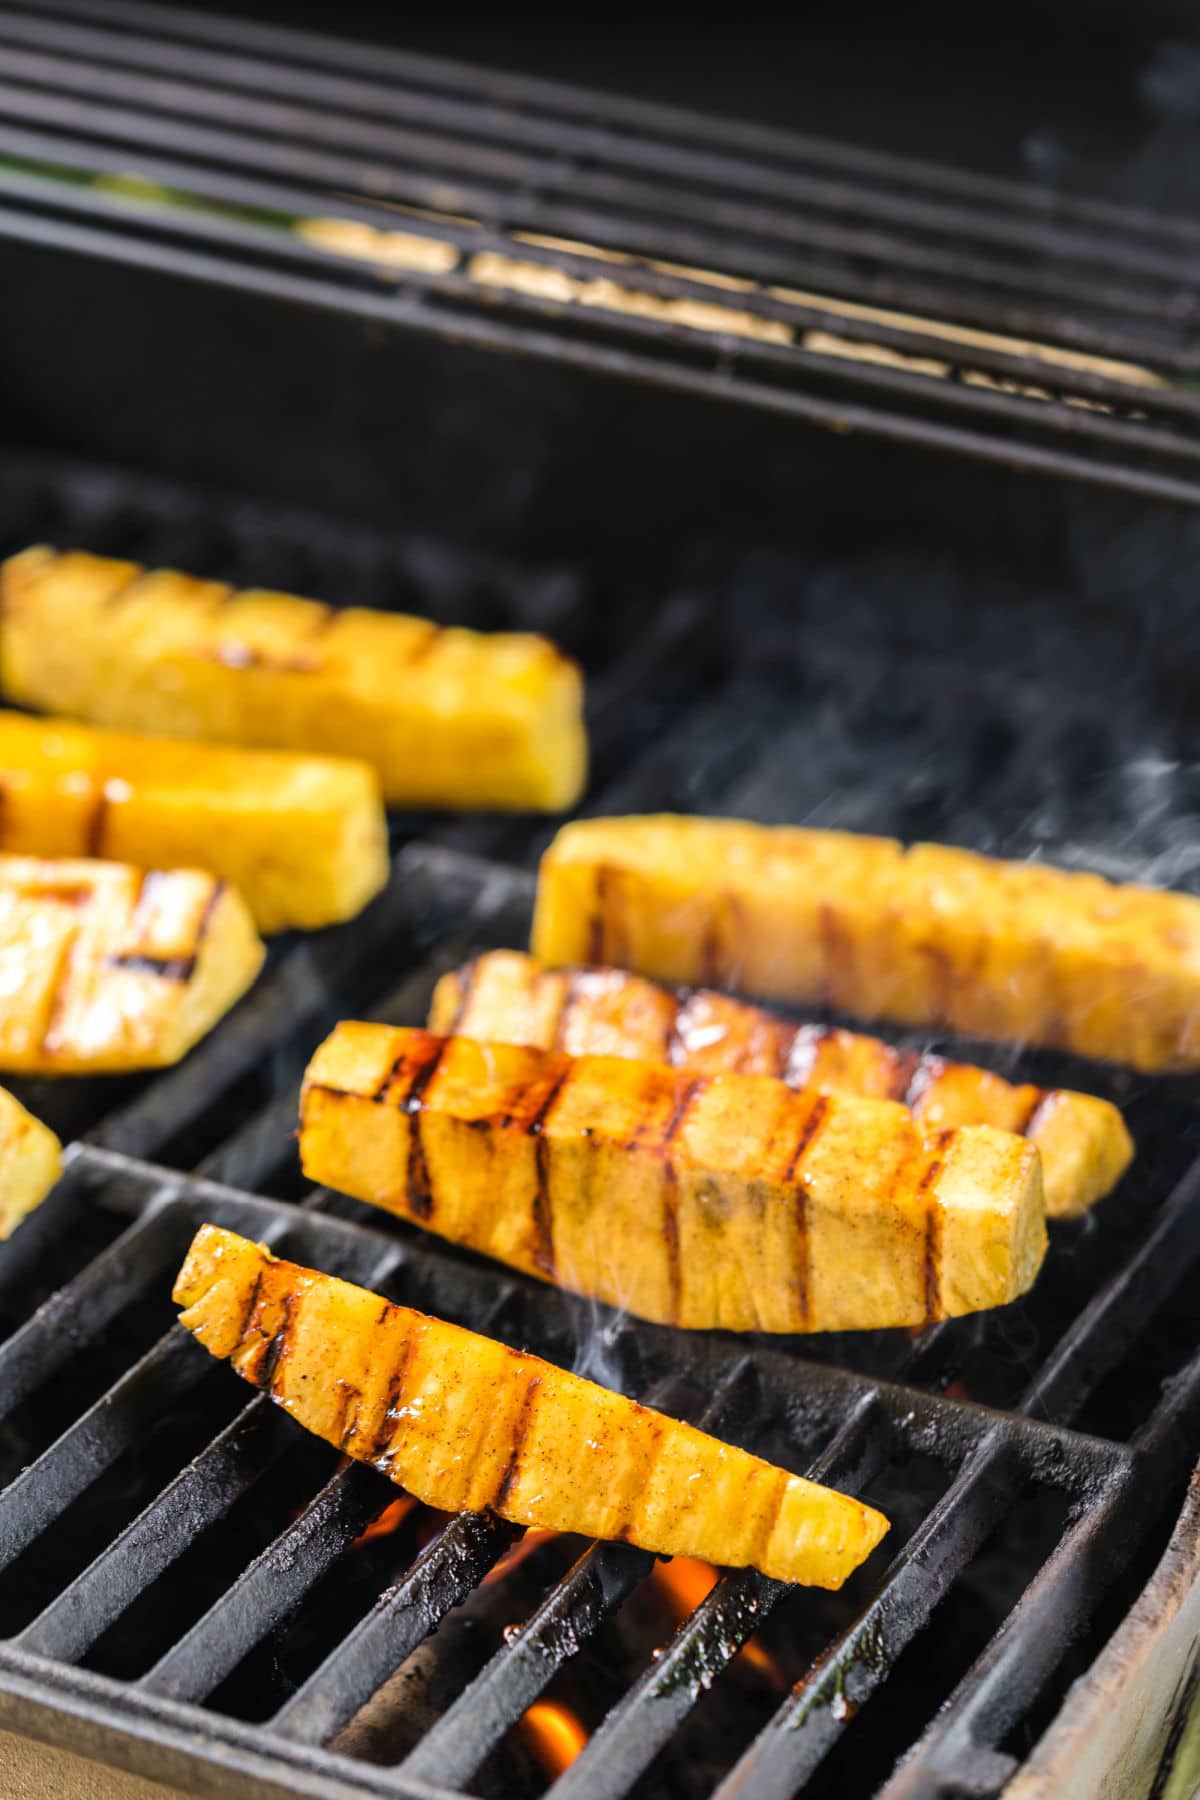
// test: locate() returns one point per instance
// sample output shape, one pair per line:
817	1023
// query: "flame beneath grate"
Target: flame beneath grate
388	1521
554	1734
684	1583
512	1559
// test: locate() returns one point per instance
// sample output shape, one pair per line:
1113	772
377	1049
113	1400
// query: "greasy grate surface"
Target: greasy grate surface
709	257
184	1581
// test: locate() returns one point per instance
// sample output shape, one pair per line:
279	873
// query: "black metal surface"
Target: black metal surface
104	107
115	1640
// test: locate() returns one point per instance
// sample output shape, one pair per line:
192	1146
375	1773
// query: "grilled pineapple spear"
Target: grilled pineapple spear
926	935
303	838
104	967
30	1163
466	1424
726	1201
448	717
509	998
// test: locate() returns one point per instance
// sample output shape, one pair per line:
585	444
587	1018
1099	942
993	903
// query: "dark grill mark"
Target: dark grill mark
812	1124
683	1101
521	1425
61	988
808	1131
278	1347
542	1215
97	819
713	960
597	921
670	1232
542	1209
377	1449
251	1308
420	1186
170	968
351	1400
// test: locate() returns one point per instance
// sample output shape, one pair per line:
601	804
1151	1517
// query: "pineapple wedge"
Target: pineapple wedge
508	998
727	1201
104	967
447	717
30	1163
303	838
467	1424
925	935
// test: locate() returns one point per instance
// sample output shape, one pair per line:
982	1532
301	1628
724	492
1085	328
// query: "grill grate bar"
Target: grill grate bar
77	1313
441	1578
42	1492
1056	227
807	1724
199	1495
963	1742
908	332
77	57
704	367
635	1730
773	247
521	96
629	175
273	1584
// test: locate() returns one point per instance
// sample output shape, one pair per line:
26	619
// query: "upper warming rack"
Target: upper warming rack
842	287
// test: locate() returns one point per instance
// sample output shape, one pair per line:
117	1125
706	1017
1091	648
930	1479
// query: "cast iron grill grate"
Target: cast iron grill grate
184	1582
745	264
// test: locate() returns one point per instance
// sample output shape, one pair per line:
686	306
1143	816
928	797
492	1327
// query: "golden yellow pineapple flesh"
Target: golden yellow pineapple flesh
728	1201
467	1424
925	936
448	717
30	1163
303	838
105	967
509	998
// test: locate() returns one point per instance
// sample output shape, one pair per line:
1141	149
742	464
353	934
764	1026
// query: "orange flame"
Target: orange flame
389	1520
683	1583
554	1734
524	1546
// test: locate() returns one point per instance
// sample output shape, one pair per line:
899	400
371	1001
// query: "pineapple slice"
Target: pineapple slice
727	1201
467	1424
304	838
447	717
924	936
104	967
509	998
30	1163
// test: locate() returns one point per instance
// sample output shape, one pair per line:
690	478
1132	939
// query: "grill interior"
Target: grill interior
803	278
188	1583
